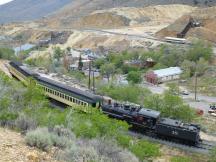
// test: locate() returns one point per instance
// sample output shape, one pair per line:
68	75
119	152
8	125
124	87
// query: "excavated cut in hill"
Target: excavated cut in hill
205	16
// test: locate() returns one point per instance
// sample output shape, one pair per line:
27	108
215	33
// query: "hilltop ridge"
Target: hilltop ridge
70	10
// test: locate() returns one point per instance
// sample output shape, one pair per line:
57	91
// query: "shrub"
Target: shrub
110	150
60	130
7	116
79	153
47	117
25	123
7	53
134	77
213	155
144	149
96	124
100	150
60	141
124	140
39	138
181	159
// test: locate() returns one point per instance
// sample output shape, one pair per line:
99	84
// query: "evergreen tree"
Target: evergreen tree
80	63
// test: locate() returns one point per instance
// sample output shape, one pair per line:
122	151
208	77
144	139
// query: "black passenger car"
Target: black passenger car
170	128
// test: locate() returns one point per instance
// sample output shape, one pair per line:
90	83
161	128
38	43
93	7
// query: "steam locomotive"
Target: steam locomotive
148	119
137	116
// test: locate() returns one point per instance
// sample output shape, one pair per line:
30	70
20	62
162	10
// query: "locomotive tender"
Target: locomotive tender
137	116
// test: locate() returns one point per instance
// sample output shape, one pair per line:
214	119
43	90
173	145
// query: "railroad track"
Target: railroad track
204	147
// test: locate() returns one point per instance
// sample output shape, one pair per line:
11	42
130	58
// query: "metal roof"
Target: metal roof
77	93
168	72
71	91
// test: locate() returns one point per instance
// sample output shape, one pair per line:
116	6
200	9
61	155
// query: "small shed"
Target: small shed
163	75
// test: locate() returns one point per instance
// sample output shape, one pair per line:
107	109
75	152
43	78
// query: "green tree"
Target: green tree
171	56
173	88
188	68
134	77
7	53
99	62
80	63
108	70
170	106
132	93
201	66
58	53
200	49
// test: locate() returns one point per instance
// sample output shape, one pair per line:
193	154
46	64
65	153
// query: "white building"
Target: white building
163	75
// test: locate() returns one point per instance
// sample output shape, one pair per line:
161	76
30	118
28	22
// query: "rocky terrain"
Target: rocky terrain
14	149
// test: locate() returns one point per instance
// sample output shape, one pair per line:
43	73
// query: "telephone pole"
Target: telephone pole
93	81
195	87
89	82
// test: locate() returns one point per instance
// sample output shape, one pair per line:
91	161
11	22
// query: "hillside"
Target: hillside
121	17
22	10
206	31
78	9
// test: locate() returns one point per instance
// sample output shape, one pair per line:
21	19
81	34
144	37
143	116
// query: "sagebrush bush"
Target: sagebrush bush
100	150
43	139
60	130
39	138
81	153
25	123
60	141
110	150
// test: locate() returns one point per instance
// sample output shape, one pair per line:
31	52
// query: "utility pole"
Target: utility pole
93	81
195	87
89	82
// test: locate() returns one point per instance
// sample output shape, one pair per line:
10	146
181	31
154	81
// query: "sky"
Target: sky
4	1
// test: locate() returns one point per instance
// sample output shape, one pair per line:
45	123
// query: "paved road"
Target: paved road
202	103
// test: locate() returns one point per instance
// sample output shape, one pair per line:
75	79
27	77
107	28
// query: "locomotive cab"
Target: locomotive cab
147	118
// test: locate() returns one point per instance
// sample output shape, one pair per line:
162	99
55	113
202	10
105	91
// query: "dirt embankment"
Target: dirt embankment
102	20
14	149
205	16
158	14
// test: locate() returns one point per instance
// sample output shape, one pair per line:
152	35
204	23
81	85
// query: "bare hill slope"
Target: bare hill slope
81	8
122	16
22	10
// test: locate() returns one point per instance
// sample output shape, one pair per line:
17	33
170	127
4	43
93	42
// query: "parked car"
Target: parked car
212	107
184	92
